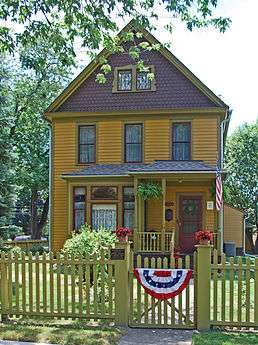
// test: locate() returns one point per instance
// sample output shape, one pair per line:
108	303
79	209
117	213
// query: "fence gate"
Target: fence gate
147	311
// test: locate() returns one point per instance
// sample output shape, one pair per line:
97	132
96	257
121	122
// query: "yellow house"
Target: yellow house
108	139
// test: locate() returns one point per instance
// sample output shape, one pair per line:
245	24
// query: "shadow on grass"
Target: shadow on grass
225	338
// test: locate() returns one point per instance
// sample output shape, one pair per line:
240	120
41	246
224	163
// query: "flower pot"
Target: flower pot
123	239
204	241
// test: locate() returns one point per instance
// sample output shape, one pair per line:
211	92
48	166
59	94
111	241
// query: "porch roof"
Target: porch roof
159	166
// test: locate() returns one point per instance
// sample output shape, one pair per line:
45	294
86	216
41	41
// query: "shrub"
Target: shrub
89	242
10	231
16	250
37	249
3	246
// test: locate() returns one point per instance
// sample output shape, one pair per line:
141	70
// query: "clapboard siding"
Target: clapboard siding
109	142
233	225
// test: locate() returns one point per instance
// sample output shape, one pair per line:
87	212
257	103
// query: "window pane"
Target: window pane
133	152
181	151
143	82
133	133
87	153
104	192
128	194
124	80
181	132
104	216
87	135
79	204
129	219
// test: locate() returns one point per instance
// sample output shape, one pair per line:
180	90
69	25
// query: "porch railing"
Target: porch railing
154	241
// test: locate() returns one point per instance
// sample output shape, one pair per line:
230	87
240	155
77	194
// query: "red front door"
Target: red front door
190	220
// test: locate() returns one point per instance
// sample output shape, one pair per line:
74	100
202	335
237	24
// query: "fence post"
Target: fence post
203	287
4	288
122	285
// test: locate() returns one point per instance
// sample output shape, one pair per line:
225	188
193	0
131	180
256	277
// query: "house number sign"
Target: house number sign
117	254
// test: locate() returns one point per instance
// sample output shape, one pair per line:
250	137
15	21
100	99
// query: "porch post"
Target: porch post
135	233
164	183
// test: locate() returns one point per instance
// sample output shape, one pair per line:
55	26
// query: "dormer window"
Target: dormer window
143	82
129	79
124	80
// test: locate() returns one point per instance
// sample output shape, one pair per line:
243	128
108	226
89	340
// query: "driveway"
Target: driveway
156	337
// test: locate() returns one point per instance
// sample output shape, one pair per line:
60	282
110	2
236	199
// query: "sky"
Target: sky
227	63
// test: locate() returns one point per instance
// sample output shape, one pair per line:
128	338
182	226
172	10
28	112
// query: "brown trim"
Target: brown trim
189	124
125	143
104	199
123	187
104	202
85	206
79	144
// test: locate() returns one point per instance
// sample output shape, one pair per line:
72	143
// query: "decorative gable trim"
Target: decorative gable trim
75	84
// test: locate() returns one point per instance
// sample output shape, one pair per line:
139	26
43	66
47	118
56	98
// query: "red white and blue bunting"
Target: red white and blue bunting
163	283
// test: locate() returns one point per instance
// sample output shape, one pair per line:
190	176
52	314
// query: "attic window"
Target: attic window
129	79
124	80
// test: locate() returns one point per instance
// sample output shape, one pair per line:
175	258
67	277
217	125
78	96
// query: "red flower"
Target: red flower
123	232
203	235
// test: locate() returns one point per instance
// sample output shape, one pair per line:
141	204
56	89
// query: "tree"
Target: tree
241	165
92	23
30	92
6	188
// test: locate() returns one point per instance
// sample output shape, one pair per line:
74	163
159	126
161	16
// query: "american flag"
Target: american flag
219	196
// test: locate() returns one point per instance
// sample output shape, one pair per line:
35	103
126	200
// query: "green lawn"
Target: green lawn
63	332
225	338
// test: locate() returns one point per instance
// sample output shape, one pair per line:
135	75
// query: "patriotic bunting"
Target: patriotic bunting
163	283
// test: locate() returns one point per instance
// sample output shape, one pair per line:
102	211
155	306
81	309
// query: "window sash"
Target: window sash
128	207
181	142
87	145
133	143
142	81
124	80
79	207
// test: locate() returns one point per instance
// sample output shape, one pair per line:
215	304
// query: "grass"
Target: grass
62	332
225	338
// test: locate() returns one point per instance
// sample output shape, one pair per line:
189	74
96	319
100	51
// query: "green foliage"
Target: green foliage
89	242
3	247
65	23
10	231
149	190
16	250
241	165
37	249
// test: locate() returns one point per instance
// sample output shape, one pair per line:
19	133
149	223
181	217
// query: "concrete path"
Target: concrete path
8	342
141	336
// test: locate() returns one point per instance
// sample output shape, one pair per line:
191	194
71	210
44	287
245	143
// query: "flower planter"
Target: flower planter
204	242
123	239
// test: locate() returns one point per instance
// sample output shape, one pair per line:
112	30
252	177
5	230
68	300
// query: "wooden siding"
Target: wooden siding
110	142
233	226
204	139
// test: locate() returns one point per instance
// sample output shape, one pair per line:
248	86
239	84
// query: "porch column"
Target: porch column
135	232
163	230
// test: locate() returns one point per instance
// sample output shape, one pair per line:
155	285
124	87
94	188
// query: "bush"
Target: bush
3	246
10	231
16	250
89	242
37	249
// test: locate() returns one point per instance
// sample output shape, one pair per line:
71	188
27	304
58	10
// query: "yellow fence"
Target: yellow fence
61	286
155	241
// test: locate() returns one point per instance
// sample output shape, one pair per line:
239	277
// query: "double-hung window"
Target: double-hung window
128	207
87	144
133	143
181	141
79	207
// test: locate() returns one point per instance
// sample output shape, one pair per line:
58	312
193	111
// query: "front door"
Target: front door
190	221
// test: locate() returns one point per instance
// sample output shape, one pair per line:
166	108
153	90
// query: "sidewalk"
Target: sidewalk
8	342
156	337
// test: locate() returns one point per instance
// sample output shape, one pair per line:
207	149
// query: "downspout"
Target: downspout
223	134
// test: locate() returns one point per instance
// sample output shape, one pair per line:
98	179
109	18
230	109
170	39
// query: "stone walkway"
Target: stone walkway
142	336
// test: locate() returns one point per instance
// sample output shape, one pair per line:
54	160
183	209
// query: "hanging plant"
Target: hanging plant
149	190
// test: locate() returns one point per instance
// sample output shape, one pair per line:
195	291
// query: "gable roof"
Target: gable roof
215	101
159	166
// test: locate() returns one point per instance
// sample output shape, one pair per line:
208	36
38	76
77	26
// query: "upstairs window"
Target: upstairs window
133	143
79	207
87	144
181	141
143	82
124	80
